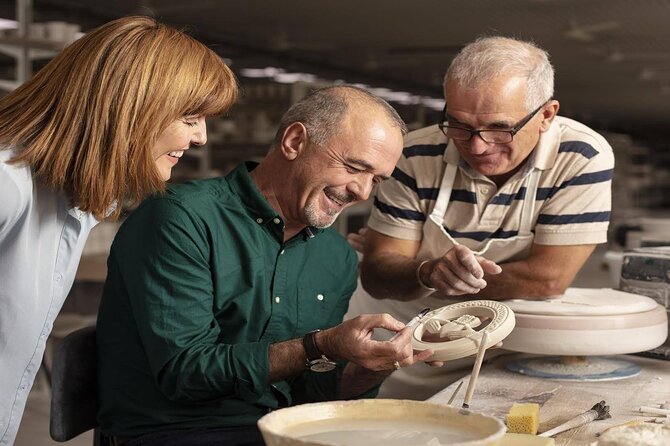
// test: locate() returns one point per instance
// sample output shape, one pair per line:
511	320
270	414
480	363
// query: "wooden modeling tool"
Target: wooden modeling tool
475	370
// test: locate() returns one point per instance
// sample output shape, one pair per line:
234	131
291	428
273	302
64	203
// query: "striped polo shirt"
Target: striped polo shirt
573	199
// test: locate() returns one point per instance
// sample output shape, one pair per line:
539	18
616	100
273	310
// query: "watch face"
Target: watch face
321	365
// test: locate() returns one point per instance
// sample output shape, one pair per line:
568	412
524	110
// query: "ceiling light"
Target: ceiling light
402	97
260	72
618	56
8	24
653	75
290	78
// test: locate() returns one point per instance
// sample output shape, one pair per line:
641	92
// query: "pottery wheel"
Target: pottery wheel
574	368
454	331
585	322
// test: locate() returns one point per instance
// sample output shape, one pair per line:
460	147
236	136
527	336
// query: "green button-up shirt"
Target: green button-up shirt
199	284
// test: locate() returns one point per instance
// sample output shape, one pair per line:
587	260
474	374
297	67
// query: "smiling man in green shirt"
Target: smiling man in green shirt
215	289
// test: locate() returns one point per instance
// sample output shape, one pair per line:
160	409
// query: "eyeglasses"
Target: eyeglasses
490	136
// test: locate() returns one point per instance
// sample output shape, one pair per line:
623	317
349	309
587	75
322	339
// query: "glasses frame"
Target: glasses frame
513	131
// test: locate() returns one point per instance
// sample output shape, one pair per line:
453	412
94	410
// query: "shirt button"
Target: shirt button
259	220
58	277
484	190
281	253
277	299
276	220
319	296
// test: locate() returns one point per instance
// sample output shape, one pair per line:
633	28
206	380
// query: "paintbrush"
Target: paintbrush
598	412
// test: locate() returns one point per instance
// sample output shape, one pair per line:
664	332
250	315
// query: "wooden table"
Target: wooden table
497	388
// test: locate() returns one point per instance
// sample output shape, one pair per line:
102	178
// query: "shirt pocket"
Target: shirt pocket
319	309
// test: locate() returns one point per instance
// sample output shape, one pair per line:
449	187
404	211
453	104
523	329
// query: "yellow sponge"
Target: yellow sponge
523	418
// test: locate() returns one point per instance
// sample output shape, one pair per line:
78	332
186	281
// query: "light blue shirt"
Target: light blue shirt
41	240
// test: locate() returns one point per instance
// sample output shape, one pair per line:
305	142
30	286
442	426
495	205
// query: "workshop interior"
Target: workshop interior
588	367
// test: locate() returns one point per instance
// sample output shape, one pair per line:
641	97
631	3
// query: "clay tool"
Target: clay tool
475	370
414	321
453	395
654	410
599	411
540	398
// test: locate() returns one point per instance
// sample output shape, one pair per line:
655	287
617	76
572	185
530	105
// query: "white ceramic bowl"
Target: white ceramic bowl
374	422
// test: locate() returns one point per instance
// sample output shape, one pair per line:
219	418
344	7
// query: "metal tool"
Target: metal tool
453	395
414	321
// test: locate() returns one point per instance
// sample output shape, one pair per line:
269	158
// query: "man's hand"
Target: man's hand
458	272
352	340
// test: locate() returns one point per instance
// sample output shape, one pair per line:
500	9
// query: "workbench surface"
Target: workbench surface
497	388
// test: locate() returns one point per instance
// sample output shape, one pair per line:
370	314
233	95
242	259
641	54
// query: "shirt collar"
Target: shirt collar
243	186
81	216
451	155
546	150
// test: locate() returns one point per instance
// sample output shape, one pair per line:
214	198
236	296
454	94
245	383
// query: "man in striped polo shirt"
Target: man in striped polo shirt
502	199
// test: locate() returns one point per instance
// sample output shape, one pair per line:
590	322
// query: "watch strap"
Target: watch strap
316	361
309	344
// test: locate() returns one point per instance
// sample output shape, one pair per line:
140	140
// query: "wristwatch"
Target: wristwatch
316	361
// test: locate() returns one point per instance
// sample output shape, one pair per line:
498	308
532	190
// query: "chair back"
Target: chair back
74	386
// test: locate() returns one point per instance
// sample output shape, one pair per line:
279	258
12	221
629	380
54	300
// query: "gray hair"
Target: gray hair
323	110
488	57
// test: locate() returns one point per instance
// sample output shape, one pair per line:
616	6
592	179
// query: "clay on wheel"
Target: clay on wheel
587	322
